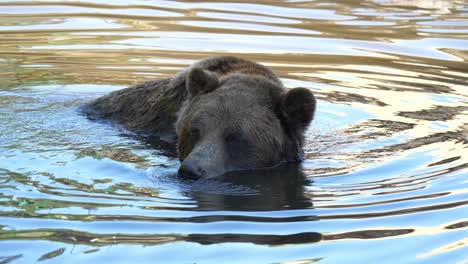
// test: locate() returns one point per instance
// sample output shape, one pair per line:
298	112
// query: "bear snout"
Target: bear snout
191	169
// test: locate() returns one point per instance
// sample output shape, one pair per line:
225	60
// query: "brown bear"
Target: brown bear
225	113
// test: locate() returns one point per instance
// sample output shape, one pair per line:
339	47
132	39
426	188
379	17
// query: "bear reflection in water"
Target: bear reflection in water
268	190
224	113
282	187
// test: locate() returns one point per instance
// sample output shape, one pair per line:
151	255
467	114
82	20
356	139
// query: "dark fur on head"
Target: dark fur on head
238	121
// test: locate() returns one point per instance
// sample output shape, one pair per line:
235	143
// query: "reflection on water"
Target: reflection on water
386	159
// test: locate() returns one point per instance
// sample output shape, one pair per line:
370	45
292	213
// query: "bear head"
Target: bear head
239	122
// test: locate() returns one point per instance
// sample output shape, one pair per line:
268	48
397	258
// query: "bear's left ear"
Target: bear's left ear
200	81
298	108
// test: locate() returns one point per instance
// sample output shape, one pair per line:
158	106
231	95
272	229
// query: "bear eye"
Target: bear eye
233	137
194	134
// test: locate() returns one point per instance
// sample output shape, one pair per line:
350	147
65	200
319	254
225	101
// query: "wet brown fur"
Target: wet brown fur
228	96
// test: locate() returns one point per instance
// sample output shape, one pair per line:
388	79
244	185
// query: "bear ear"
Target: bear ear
298	108
200	81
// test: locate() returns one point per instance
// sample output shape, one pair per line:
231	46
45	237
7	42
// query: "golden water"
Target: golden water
386	158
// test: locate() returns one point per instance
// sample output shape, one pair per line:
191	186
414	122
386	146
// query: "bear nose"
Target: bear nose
190	169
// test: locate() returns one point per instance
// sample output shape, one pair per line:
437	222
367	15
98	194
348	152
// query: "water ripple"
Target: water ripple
385	165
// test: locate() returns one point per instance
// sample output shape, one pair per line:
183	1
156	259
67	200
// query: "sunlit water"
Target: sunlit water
385	175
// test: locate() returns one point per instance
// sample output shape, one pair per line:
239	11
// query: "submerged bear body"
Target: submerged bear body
225	114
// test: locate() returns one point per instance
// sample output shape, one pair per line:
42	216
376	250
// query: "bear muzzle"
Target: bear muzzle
205	161
191	169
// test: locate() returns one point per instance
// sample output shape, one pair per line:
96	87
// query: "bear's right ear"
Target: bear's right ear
200	81
298	108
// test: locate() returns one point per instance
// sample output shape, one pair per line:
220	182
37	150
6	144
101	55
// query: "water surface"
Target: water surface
386	164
